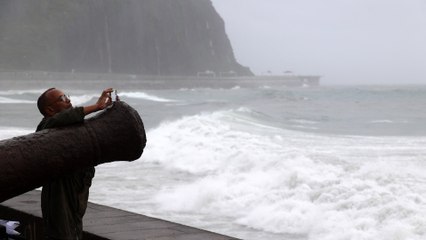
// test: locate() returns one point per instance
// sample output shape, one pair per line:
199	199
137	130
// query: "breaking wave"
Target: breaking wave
283	182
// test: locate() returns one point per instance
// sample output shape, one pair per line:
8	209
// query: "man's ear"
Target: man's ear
49	111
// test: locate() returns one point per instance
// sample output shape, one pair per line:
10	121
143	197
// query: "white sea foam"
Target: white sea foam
303	121
303	124
6	100
145	96
382	121
79	100
386	121
288	183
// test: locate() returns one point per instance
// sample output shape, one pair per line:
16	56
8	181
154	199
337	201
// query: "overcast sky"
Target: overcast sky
345	41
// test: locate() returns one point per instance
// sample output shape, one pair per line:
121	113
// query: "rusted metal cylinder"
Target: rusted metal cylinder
28	162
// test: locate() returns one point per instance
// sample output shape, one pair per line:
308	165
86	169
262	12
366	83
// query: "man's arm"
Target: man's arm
103	102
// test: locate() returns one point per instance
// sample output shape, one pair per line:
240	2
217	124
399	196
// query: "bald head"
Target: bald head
43	101
51	102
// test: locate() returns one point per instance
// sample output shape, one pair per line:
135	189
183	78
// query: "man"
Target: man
64	201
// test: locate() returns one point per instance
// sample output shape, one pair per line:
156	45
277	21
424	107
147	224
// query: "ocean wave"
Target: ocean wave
303	121
79	100
220	129
387	121
382	121
292	182
145	96
6	100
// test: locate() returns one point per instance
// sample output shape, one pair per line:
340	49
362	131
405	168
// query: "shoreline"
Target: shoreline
158	82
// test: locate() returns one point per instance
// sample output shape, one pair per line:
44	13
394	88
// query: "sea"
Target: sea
261	162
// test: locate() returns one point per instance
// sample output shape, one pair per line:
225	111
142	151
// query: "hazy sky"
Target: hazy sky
345	41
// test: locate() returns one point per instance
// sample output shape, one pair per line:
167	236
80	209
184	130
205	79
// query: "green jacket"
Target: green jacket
64	200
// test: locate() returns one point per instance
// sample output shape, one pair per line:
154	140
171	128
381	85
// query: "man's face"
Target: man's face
57	102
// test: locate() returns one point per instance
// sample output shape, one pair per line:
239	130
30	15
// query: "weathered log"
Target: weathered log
28	162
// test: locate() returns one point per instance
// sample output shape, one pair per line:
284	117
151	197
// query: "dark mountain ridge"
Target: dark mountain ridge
149	37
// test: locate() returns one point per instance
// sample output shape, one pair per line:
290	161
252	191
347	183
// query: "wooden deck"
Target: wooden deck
102	222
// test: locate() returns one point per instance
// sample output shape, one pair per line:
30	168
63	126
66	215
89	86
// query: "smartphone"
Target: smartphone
116	95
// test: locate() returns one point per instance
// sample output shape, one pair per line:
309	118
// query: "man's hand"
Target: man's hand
103	102
105	99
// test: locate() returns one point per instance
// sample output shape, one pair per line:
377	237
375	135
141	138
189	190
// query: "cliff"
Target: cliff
152	37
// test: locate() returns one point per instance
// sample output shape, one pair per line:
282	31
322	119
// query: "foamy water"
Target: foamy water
292	184
5	100
145	96
270	163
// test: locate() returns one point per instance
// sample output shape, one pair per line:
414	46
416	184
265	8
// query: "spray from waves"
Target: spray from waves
145	96
292	183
